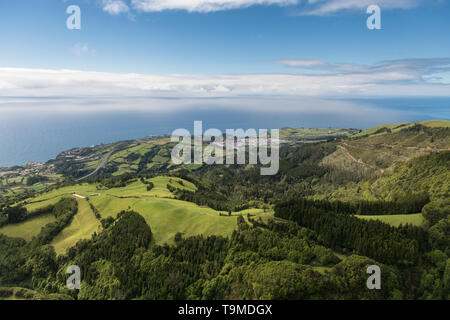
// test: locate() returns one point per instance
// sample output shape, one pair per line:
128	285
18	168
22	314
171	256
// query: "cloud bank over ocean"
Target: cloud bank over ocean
307	84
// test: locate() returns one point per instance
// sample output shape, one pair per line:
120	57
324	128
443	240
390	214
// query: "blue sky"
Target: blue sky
289	54
242	40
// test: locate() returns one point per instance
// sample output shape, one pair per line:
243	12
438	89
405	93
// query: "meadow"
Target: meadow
83	226
398	219
28	229
165	215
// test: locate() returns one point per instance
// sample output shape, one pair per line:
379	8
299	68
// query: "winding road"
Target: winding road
100	165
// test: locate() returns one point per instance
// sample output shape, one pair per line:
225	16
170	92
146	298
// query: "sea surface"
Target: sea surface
40	137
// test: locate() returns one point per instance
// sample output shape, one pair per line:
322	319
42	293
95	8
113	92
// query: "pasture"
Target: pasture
397	219
82	226
27	229
165	215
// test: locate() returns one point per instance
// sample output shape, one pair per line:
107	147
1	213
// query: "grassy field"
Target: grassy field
396	220
83	226
168	216
82	189
138	189
28	229
165	215
41	204
291	134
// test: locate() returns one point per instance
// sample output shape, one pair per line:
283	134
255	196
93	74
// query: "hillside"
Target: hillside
399	126
378	150
150	154
166	215
208	228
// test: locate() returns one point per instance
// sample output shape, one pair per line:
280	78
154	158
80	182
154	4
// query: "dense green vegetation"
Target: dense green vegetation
273	261
395	246
142	228
407	205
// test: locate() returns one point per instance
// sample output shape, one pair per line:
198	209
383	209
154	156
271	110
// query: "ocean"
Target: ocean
41	136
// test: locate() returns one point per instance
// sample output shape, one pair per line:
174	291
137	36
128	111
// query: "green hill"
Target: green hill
428	174
83	226
150	154
377	150
166	215
155	231
399	126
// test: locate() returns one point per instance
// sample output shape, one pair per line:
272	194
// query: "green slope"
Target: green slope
429	174
28	229
83	226
399	126
165	215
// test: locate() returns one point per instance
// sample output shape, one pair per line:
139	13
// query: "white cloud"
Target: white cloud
324	7
398	78
306	7
414	67
115	7
302	63
203	5
303	109
80	48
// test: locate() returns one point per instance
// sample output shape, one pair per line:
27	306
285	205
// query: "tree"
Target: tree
436	211
178	237
16	214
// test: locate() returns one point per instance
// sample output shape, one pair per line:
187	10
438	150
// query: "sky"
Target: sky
306	56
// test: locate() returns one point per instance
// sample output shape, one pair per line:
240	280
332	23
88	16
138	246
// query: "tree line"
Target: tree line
395	246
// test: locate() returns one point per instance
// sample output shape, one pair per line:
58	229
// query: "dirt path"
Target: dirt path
359	161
